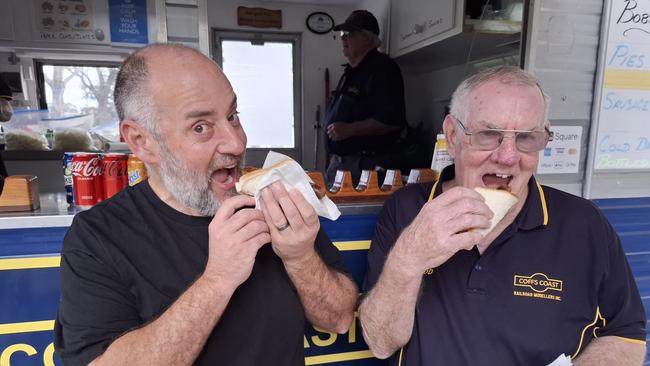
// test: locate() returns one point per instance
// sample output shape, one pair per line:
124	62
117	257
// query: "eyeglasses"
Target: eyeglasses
525	141
345	34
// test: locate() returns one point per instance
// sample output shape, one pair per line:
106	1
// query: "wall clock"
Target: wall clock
319	22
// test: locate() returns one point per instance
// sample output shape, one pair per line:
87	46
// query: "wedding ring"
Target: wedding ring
283	227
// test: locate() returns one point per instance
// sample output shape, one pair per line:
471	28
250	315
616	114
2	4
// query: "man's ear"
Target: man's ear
140	141
450	128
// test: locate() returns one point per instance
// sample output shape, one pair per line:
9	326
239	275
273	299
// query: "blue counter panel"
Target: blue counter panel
34	294
33	241
630	217
348	228
29	349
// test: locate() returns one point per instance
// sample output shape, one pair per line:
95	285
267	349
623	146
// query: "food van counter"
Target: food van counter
55	212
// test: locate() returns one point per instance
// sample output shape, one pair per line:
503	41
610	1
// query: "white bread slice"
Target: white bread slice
499	201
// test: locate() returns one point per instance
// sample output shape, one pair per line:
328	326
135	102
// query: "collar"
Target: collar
534	213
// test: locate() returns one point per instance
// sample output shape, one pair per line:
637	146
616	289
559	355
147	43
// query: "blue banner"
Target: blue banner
128	20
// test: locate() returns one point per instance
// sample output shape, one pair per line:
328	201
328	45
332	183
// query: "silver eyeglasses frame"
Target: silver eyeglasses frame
548	132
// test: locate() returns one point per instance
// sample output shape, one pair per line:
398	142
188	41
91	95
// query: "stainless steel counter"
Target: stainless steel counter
55	212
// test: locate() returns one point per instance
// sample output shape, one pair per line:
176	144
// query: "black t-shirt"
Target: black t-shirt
548	284
372	89
126	260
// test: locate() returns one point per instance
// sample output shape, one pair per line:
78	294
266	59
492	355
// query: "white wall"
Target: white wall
319	51
381	10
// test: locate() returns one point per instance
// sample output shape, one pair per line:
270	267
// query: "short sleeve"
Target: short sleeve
618	298
328	252
96	307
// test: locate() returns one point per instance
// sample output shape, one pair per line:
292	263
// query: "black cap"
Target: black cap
5	91
359	20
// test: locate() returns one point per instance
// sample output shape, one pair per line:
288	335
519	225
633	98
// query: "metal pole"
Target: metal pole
598	92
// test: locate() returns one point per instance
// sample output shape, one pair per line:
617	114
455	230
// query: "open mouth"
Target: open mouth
497	181
225	177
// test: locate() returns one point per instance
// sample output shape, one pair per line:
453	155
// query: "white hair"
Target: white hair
509	75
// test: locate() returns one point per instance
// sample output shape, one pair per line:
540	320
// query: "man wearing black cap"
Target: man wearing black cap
6	111
366	114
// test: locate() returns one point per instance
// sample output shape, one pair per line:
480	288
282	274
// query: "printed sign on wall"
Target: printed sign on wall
66	21
562	155
128	20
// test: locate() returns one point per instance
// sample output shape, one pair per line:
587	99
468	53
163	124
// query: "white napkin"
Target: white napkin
561	360
294	177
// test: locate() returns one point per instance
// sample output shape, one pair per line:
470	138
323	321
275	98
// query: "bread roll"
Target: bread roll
249	182
499	201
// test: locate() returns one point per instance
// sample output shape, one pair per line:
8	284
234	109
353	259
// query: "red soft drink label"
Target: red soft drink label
87	179
115	174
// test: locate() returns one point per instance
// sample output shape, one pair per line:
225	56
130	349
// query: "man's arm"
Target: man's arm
388	310
179	334
338	131
329	297
440	229
612	350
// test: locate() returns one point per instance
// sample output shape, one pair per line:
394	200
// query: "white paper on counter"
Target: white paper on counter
561	360
294	177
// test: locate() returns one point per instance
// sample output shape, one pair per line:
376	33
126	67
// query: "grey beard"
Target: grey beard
190	188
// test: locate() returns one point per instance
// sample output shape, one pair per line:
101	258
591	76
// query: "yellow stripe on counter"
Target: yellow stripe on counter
353	245
55	261
30	262
627	79
338	357
27	327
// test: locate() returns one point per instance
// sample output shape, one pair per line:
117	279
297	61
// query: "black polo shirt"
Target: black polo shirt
372	89
552	281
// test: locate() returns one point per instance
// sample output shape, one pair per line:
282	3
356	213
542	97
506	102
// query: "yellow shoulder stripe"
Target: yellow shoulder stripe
433	190
631	340
543	199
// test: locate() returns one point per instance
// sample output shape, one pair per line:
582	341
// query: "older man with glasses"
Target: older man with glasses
366	113
549	279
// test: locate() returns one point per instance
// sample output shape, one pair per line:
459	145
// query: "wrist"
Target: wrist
216	283
300	263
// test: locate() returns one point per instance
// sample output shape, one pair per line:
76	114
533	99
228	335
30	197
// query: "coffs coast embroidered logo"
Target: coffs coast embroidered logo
542	286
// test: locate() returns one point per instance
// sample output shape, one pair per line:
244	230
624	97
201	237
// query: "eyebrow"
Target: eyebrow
490	126
208	112
198	113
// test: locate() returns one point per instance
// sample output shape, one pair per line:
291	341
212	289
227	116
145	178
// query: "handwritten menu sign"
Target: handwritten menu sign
623	138
66	21
128	20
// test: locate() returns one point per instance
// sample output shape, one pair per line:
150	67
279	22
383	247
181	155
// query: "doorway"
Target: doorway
264	70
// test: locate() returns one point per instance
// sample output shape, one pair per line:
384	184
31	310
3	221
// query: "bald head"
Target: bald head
132	93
